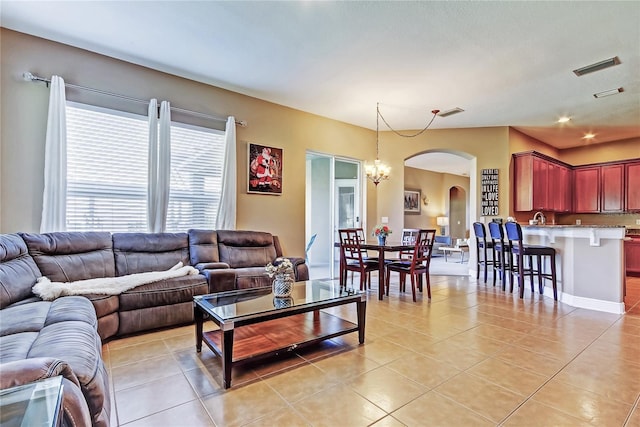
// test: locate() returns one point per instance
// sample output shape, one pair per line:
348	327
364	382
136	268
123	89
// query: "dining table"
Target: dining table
382	250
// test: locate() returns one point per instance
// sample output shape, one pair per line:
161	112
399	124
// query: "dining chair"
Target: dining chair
417	265
353	258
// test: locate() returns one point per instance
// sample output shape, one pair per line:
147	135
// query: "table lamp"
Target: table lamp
442	221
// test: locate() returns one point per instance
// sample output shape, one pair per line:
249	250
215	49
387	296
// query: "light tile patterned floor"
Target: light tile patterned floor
472	356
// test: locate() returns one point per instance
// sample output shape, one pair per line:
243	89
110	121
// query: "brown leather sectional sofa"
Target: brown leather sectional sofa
64	336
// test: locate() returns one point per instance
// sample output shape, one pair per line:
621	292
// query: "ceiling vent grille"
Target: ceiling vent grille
450	112
597	66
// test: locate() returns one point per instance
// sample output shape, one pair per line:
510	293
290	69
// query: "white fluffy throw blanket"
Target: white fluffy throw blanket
48	290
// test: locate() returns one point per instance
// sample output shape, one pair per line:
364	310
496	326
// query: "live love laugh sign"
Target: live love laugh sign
489	182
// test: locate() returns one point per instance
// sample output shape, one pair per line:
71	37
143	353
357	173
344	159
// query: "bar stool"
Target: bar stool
520	250
482	245
500	251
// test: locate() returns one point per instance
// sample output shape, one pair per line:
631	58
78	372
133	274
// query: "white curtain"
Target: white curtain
164	163
159	166
152	183
226	219
54	200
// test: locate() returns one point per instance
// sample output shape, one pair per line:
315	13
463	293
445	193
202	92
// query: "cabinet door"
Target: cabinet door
587	189
612	193
632	256
559	188
632	187
523	183
540	184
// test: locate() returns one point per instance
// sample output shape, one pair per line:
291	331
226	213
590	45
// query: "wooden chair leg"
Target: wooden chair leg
413	286
388	276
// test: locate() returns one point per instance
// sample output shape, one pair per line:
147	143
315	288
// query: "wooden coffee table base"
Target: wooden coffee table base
259	340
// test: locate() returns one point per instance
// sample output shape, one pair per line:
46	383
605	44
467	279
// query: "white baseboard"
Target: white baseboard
588	303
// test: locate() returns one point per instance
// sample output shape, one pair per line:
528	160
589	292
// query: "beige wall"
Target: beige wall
430	184
598	153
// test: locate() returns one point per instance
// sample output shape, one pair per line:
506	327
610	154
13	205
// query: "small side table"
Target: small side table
34	404
450	249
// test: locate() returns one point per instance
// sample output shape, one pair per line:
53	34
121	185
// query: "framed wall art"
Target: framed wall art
265	170
412	201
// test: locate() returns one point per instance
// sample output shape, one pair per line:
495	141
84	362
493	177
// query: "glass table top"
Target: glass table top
231	305
33	404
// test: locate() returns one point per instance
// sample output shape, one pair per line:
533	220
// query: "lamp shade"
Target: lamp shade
442	221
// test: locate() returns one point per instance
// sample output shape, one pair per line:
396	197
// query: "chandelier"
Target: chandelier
379	171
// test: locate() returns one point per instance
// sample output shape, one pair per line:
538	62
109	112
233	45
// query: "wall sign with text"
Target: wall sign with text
489	182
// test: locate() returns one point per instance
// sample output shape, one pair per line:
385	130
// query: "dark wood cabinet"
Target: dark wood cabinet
612	188
632	197
559	187
586	195
632	256
541	184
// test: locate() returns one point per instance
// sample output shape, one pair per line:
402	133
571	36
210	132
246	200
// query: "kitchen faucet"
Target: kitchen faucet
543	220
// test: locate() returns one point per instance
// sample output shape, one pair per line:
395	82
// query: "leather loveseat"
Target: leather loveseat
63	336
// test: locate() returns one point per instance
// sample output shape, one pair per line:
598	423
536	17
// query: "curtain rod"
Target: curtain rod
32	78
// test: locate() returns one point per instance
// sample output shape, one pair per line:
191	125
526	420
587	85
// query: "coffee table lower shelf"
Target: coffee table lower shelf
272	337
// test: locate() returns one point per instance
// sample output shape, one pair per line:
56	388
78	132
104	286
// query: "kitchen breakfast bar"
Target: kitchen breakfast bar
590	263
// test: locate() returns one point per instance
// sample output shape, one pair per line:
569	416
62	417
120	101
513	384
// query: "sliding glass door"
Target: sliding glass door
333	201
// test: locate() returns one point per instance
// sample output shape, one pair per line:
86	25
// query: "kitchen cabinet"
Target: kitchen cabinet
541	184
586	195
612	188
632	196
559	187
632	255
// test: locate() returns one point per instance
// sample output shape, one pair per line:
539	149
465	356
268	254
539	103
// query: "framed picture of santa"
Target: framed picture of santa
265	170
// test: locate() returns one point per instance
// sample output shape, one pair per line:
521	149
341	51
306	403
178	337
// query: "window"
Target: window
107	172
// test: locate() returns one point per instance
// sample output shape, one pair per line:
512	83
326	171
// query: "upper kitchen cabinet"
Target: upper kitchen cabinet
612	188
632	196
586	193
541	183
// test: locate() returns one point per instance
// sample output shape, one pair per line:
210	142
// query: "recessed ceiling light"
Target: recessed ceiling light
564	119
597	66
608	93
589	135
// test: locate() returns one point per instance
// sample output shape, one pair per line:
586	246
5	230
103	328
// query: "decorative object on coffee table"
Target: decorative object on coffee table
381	232
281	270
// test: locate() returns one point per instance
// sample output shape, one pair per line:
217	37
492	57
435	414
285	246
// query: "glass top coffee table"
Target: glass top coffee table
33	404
253	324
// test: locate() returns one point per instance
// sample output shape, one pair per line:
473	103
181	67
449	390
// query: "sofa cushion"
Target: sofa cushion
252	277
246	248
67	257
203	247
164	292
143	252
18	271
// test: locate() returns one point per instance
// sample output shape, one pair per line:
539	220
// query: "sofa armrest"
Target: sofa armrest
211	265
220	279
299	268
20	372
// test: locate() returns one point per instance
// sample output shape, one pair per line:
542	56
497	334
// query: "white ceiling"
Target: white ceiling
504	63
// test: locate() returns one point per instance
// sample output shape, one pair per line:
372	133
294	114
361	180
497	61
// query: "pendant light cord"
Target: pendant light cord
435	113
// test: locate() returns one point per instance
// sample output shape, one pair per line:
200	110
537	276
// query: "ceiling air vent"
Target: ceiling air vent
450	112
597	66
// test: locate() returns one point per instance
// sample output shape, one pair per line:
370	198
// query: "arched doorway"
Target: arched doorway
458	217
447	182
